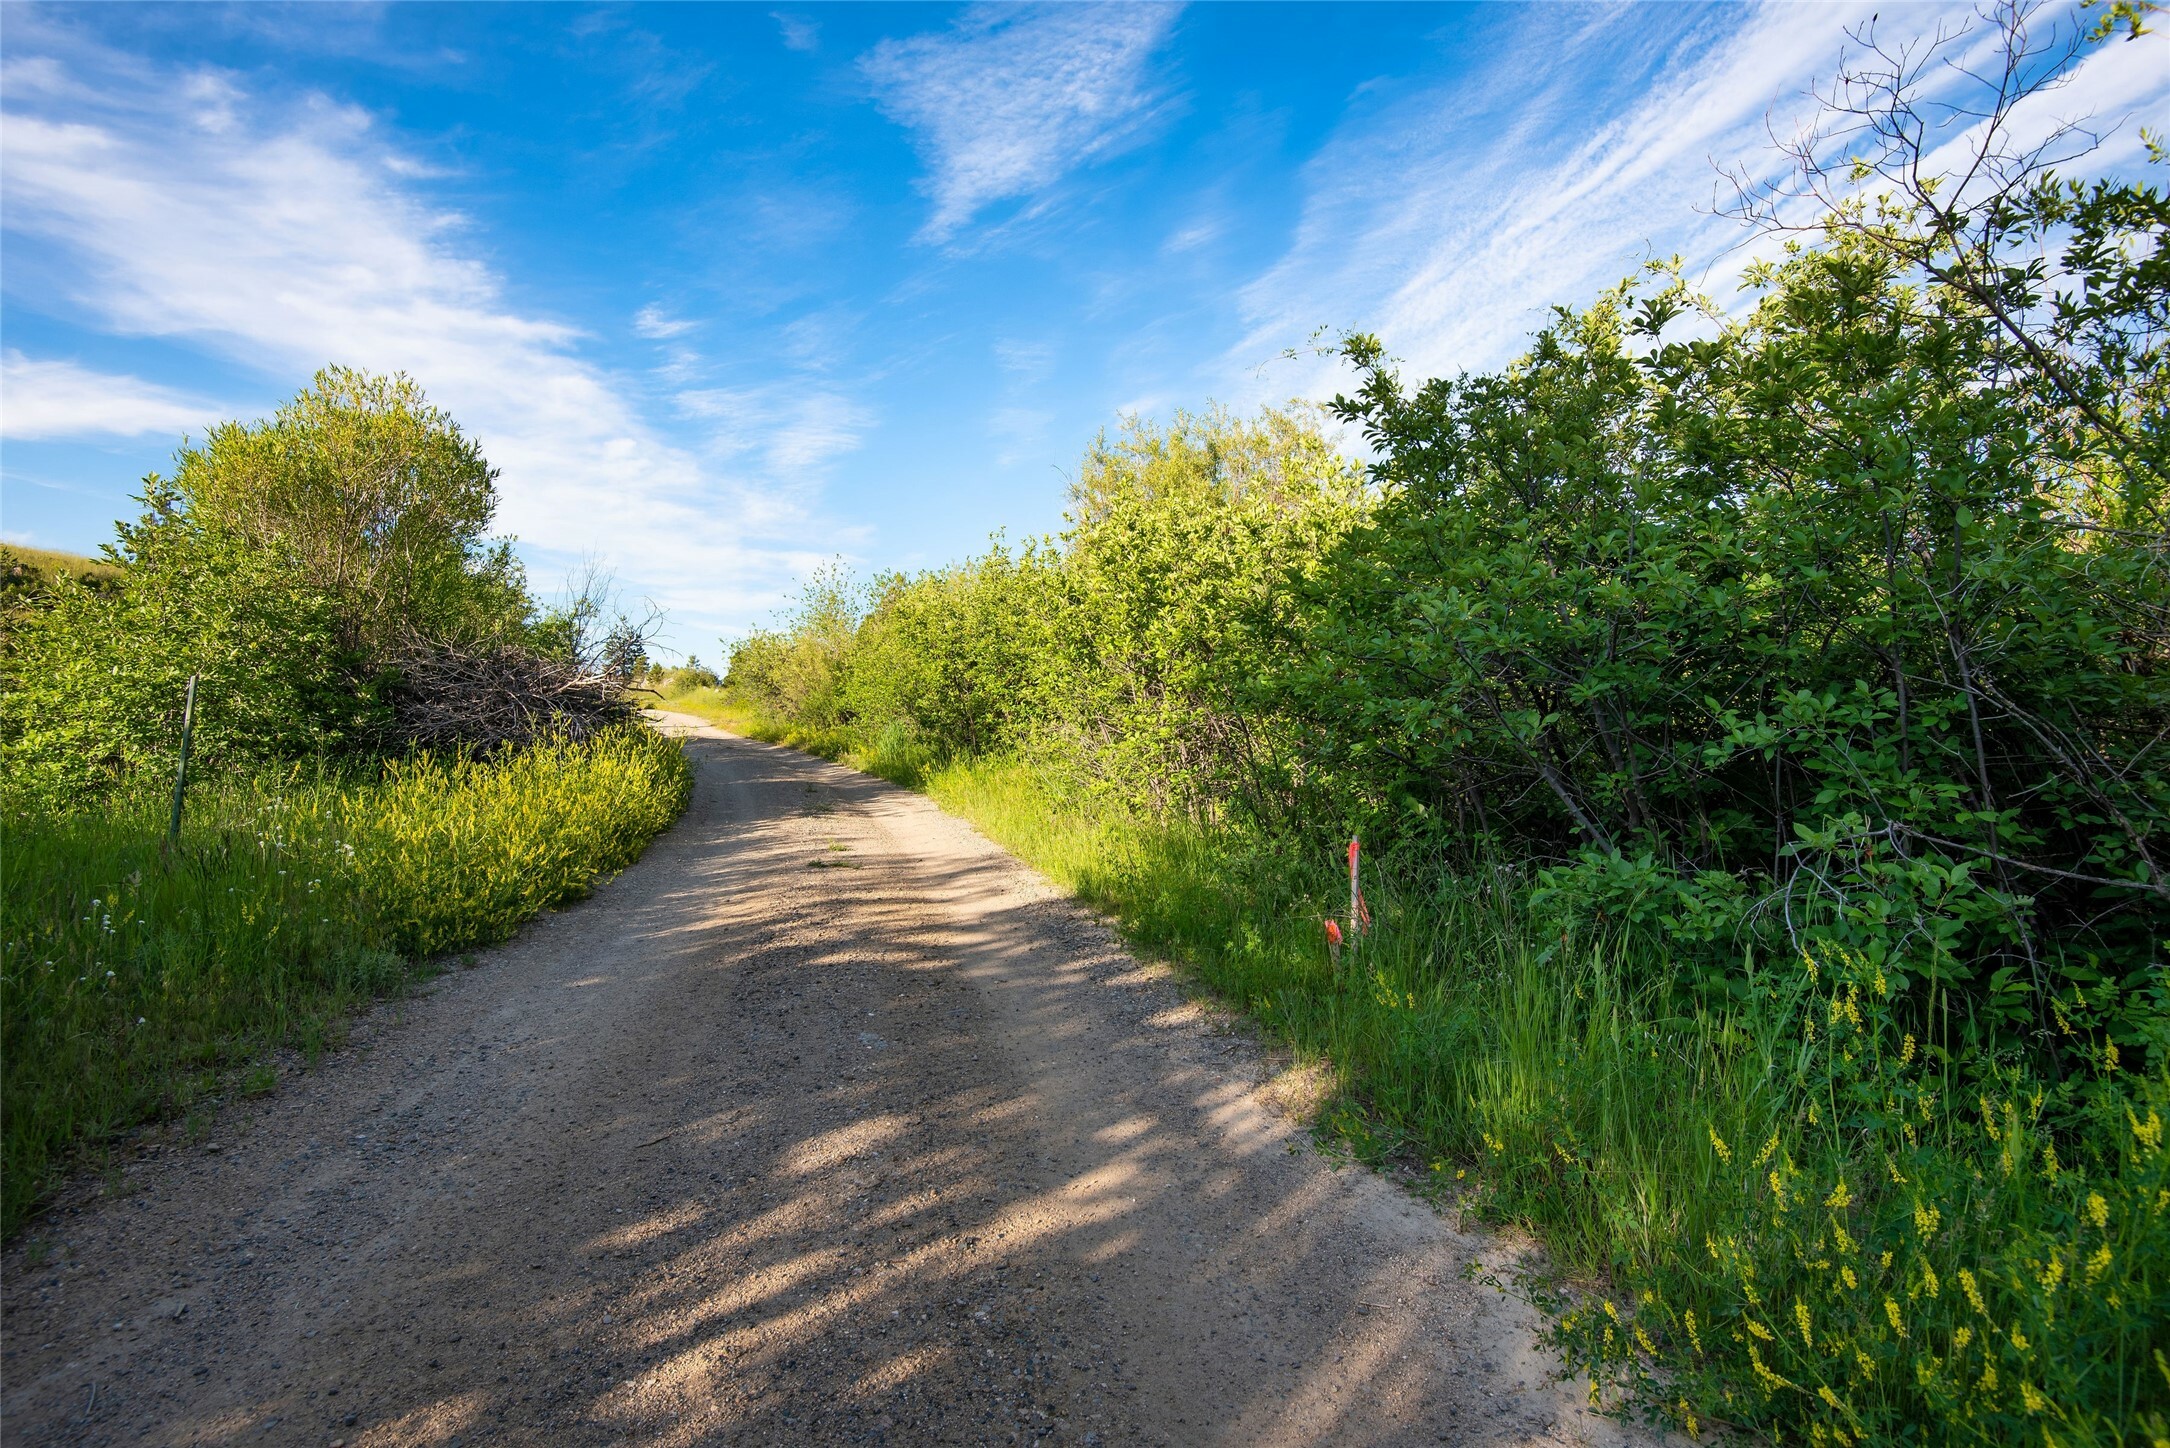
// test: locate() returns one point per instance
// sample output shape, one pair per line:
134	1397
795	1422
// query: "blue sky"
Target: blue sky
727	290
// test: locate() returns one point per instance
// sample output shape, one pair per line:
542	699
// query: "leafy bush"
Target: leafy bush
134	972
283	562
1801	604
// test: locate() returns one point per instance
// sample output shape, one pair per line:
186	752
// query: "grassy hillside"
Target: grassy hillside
23	567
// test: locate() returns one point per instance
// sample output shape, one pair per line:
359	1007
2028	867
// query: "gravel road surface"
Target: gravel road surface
826	1122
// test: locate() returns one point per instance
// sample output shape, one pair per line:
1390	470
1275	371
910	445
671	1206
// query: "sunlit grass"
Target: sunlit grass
137	973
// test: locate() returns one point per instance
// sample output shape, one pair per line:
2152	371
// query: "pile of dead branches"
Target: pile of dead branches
490	694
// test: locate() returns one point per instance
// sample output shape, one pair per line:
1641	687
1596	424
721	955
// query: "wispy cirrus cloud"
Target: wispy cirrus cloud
795	431
656	324
282	235
796	31
56	399
1450	221
1008	101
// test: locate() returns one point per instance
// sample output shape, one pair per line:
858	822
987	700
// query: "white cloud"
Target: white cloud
285	237
1010	100
795	432
1449	222
652	321
798	32
44	399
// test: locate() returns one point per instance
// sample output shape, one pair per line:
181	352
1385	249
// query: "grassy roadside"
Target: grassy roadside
137	974
1774	1211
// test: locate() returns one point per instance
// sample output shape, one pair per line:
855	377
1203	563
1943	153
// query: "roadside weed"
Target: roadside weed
135	973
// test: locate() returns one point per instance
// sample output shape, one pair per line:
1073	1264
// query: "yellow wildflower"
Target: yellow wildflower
1840	1197
1961	1338
1861	1362
2099	1263
1926	1219
1973	1290
1725	1153
1800	1315
1771	1381
1688	1418
2050	1168
1906	1050
1893	1167
1759	1330
1769	1147
2032	1398
1694	1337
1887	1262
2098	1210
1891	1310
2019	1340
1827	1395
1928	1278
2149	1135
1610	1311
1851	1281
1644	1338
2109	1054
2053	1274
1987	1382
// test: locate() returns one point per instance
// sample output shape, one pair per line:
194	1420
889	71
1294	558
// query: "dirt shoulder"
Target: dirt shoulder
826	1122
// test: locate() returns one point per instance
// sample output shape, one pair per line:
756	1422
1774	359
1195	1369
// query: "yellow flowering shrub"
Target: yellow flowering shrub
1993	1272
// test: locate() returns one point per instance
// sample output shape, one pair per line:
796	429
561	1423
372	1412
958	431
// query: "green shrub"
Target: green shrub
281	563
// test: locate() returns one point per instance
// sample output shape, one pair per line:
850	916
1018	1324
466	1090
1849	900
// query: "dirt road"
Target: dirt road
824	1123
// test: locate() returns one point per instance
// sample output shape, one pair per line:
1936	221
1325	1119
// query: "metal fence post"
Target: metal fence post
180	778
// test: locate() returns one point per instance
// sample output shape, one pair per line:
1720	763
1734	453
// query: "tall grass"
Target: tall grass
457	853
1775	1211
136	973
